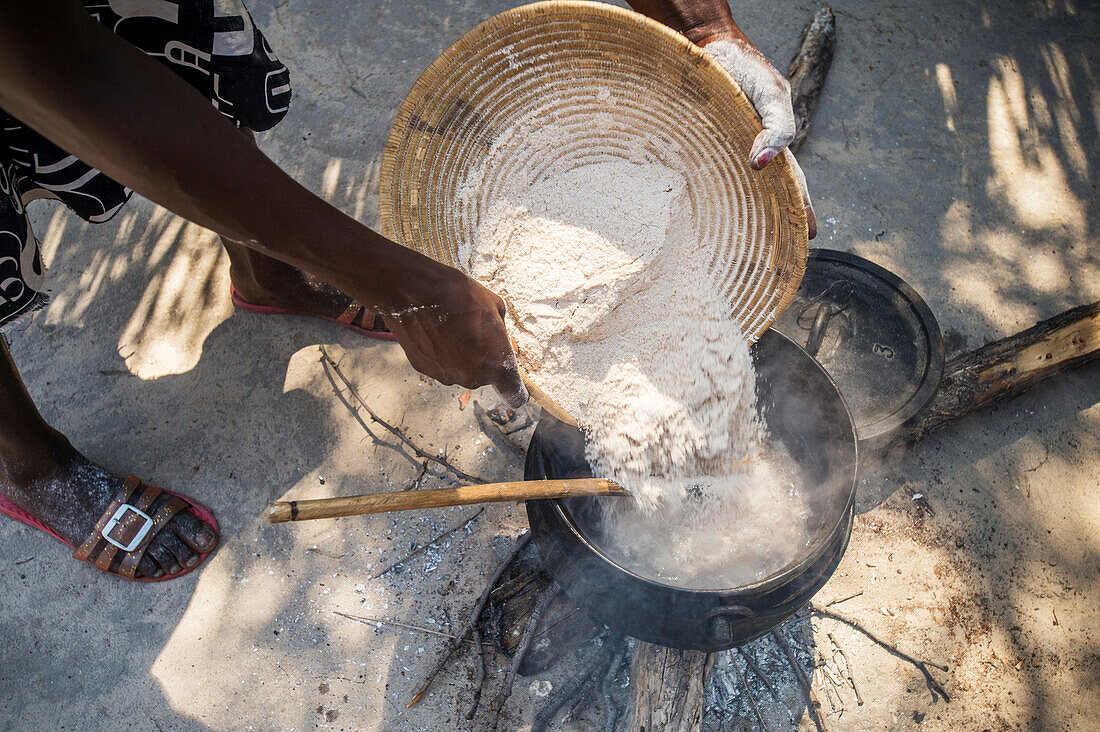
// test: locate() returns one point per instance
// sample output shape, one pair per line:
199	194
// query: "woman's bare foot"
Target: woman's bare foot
69	493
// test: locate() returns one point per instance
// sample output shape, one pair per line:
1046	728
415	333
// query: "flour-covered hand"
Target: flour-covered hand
709	25
770	92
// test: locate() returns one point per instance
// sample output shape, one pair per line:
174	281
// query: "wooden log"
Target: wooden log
564	627
519	490
975	380
808	70
666	689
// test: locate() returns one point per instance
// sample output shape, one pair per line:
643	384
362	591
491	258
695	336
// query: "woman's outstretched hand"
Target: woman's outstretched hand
770	92
709	25
452	329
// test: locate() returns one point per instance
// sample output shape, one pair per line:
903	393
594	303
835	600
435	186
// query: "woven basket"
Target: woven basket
666	90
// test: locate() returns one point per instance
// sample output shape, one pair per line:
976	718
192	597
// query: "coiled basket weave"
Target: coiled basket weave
551	56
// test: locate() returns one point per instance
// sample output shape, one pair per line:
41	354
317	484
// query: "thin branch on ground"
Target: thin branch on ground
521	650
569	689
933	686
422	547
479	685
415	482
847	667
748	690
588	689
315	550
760	674
397	432
518	427
833	684
372	621
475	613
830	603
811	699
496	435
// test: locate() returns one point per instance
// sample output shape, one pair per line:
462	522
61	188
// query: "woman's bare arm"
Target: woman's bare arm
96	96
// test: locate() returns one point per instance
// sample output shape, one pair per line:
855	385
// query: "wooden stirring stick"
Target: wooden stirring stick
521	490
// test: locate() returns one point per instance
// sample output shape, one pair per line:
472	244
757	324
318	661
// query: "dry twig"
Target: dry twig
479	685
832	688
518	427
475	613
847	667
415	482
397	432
830	603
748	690
422	547
315	550
761	675
585	694
569	689
521	650
496	435
371	621
934	686
612	711
811	698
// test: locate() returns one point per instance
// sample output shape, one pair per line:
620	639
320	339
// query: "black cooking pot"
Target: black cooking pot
801	406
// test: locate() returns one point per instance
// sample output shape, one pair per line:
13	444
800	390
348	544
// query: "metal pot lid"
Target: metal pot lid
873	334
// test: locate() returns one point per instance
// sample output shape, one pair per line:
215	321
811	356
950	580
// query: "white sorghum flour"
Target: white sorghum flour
617	319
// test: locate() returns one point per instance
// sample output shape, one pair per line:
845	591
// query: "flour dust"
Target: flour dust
616	317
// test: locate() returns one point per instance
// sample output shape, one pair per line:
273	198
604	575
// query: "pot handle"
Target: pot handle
719	621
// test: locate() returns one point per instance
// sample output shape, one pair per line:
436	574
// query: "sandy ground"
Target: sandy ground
956	144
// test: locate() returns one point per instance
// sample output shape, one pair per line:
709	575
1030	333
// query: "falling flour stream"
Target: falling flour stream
616	317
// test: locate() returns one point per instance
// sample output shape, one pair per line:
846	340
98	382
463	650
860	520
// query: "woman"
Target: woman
161	97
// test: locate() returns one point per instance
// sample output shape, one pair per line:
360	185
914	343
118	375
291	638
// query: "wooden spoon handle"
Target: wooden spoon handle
522	490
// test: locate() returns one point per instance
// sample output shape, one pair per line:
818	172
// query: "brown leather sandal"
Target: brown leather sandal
123	533
375	328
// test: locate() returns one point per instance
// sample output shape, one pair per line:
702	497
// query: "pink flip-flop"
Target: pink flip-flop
119	539
346	319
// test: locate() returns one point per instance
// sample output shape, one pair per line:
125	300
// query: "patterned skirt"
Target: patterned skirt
211	44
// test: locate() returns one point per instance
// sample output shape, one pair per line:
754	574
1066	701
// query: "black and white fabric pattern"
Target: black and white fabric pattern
211	44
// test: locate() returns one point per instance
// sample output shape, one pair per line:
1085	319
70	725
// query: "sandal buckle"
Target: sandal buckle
116	519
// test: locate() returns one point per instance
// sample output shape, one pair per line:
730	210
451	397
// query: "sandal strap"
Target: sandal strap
168	508
124	521
348	316
371	321
84	551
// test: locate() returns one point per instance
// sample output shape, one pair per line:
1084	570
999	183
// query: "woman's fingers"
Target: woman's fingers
468	345
767	89
777	116
811	218
770	93
510	386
